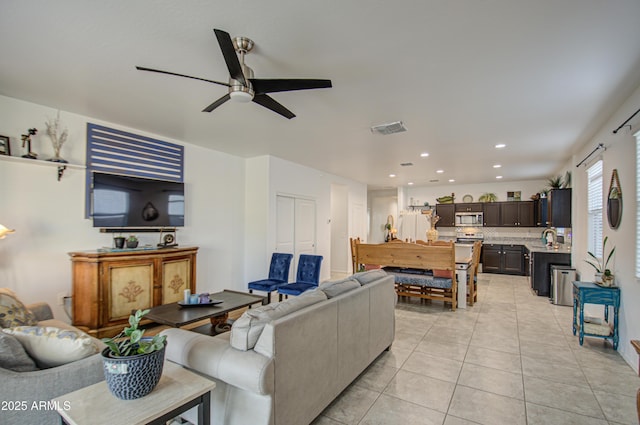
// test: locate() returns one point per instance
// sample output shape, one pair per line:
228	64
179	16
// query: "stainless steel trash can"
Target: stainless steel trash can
562	278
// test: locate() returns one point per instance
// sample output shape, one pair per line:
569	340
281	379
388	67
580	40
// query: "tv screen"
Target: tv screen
121	201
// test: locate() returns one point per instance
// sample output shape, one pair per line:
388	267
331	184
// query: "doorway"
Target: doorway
295	228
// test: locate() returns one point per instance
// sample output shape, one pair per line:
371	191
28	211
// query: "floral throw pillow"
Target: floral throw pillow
13	312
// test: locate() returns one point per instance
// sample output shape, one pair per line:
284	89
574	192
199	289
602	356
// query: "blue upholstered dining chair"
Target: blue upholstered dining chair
278	275
307	277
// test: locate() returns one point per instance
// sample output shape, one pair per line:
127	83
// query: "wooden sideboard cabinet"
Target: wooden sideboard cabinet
107	285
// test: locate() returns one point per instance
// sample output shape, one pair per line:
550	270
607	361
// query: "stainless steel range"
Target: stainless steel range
468	235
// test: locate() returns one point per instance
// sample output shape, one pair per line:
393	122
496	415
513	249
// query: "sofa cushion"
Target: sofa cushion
248	328
13	312
51	346
13	356
370	276
337	287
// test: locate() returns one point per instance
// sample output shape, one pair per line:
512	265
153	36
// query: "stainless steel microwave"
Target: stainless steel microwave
475	219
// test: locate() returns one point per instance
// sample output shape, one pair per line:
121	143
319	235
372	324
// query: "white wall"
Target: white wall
620	154
49	215
287	178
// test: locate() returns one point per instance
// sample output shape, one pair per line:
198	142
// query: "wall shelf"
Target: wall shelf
59	165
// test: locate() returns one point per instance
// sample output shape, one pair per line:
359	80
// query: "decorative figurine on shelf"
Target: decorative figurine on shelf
26	140
56	140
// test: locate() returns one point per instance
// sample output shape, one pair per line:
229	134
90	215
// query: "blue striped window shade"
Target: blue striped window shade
127	154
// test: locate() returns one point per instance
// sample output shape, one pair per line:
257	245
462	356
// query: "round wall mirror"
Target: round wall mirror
614	201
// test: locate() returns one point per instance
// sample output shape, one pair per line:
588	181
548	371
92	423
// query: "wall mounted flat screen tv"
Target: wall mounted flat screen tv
122	201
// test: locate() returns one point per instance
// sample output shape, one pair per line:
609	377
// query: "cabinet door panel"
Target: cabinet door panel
446	213
491	214
129	288
526	216
513	260
509	211
176	277
491	258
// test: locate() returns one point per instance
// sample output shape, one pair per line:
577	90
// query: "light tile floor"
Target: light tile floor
510	359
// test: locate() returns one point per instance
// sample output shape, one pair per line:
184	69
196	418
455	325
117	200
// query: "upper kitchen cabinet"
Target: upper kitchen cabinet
446	212
517	214
468	207
491	214
560	208
542	212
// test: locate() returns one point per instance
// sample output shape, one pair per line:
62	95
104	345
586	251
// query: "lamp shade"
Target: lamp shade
4	231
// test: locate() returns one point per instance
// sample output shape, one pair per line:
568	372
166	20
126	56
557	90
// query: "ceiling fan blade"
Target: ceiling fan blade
142	68
230	56
261	85
217	103
270	103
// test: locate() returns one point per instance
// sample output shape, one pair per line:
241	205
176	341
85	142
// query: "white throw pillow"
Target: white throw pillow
248	328
337	287
51	347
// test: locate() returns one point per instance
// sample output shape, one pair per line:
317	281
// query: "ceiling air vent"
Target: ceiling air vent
406	164
390	128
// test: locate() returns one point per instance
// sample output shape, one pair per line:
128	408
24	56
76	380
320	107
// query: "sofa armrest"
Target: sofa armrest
41	310
43	385
216	358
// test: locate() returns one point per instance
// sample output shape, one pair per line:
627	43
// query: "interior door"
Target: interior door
340	257
305	227
295	228
285	219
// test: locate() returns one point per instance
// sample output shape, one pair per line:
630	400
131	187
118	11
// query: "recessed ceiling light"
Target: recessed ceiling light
424	154
410	183
392	175
497	166
439	171
452	180
500	146
498	177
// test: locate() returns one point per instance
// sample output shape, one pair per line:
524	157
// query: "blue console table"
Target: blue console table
590	293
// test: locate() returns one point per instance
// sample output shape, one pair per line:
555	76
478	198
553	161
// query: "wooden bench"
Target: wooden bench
409	262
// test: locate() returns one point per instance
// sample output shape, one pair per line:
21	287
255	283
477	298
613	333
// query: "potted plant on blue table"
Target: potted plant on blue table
603	273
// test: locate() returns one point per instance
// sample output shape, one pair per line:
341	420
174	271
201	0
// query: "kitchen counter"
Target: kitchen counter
533	245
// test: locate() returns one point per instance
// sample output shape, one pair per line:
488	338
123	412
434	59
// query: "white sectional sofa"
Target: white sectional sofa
282	364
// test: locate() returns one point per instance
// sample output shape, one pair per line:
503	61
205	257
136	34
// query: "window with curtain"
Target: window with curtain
594	208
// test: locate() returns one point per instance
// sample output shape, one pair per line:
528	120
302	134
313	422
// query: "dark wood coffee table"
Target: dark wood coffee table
177	316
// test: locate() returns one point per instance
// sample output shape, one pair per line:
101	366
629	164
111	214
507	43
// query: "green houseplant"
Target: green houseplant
603	273
132	241
133	363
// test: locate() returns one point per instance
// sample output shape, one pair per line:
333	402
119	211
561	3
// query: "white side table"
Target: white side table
178	391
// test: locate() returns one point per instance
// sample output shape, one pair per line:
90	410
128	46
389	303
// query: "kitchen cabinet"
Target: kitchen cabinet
491	213
517	214
542	212
503	259
541	262
446	212
468	207
108	285
560	208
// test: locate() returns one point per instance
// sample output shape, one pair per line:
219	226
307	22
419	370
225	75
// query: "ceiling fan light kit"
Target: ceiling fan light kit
243	88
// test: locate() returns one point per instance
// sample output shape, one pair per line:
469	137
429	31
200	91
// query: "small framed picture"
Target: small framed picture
5	147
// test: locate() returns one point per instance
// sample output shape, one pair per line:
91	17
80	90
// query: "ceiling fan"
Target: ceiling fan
242	86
